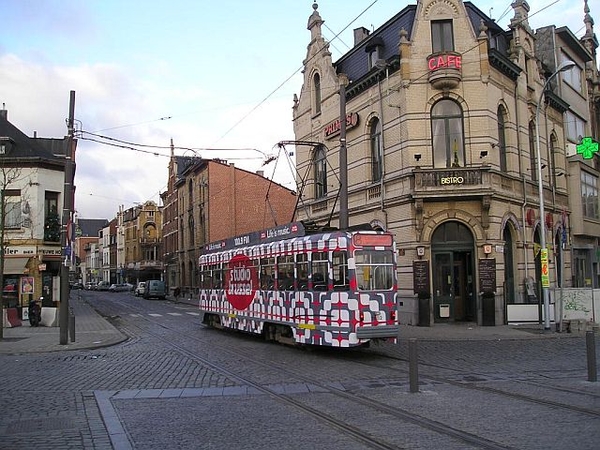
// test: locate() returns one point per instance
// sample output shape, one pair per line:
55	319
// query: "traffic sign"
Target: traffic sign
545	274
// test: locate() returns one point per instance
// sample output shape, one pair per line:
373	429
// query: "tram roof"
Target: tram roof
278	233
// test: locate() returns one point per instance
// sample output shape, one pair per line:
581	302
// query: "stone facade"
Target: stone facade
441	151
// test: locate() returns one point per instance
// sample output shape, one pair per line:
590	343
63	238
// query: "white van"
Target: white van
155	289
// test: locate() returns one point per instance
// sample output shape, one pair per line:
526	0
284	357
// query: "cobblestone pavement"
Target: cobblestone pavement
151	392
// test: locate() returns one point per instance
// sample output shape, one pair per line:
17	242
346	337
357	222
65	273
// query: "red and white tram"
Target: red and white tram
334	288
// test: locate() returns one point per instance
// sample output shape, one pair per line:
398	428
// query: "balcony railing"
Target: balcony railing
455	182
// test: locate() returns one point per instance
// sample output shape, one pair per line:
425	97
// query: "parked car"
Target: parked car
121	287
155	289
140	289
90	286
77	286
103	286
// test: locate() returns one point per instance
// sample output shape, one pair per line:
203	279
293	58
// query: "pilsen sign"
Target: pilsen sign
444	61
333	128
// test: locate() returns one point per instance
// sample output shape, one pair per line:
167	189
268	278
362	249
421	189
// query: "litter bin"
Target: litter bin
488	309
424	310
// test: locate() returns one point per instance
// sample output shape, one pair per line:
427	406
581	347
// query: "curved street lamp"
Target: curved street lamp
564	66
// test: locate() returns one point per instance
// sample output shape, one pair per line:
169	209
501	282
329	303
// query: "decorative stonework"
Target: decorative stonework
441	9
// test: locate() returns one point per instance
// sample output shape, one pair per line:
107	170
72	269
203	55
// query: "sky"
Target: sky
217	77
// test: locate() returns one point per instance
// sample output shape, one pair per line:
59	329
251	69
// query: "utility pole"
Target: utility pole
63	319
343	221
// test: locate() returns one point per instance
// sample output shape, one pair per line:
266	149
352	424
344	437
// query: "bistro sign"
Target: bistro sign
332	129
452	180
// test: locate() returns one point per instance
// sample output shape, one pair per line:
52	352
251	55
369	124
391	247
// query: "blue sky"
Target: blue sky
208	74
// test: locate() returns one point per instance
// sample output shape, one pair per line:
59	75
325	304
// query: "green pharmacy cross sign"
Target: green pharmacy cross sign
587	148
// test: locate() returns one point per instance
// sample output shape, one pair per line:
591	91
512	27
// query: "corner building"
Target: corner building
440	113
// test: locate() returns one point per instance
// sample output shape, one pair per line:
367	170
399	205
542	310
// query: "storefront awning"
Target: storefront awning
14	266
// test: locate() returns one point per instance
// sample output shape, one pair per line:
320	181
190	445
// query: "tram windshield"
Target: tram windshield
374	270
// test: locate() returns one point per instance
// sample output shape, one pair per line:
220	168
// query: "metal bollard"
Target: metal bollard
72	324
413	365
590	344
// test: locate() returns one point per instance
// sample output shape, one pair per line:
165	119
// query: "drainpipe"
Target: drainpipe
524	205
381	180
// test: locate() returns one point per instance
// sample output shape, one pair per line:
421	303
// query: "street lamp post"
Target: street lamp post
565	65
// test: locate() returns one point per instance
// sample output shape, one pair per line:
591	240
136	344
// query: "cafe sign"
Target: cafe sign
444	61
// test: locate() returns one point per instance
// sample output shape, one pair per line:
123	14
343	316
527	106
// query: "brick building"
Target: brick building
210	200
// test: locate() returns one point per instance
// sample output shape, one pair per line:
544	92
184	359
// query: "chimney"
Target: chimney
4	112
360	34
260	173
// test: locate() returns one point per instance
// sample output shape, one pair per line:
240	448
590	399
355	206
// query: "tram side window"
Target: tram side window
205	277
267	273
217	277
341	279
302	271
374	270
320	271
285	273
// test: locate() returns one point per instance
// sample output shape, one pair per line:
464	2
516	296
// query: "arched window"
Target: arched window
532	152
447	134
191	192
317	93
502	137
320	172
376	150
553	145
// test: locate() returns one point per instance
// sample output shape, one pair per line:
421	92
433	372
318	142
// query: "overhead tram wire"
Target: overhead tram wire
290	77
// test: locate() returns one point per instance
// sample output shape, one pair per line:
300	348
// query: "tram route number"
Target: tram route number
241	281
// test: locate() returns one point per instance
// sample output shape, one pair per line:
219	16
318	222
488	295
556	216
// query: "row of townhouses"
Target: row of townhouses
474	145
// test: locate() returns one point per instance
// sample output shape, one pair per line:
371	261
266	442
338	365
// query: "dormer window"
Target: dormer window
6	145
374	49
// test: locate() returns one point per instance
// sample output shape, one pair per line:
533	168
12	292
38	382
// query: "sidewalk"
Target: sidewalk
91	331
94	331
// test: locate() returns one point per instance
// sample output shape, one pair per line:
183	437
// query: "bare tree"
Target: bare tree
11	216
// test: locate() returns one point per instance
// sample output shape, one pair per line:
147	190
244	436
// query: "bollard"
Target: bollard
413	365
72	325
590	345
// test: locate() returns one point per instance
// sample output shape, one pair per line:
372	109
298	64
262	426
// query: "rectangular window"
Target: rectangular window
442	36
267	274
12	212
589	195
320	271
341	279
374	270
52	223
572	76
575	127
302	271
285	273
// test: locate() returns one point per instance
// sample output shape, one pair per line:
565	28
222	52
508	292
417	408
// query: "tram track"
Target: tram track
352	430
477	386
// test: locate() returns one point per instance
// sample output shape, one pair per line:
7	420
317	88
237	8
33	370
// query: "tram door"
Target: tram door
453	287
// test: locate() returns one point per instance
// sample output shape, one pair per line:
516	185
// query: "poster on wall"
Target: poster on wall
27	285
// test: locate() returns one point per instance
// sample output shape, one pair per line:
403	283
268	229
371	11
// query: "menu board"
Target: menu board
421	276
487	275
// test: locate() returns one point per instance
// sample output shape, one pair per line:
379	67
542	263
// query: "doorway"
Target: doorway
453	274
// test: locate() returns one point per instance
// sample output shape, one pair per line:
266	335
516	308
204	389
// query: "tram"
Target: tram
295	285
